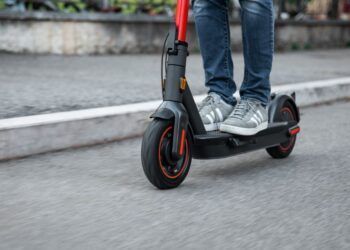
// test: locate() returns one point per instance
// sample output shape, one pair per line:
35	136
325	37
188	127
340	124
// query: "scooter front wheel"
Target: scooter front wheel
159	167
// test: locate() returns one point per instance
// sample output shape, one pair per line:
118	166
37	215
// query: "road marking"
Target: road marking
149	106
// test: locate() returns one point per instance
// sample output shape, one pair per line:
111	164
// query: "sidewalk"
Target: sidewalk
33	85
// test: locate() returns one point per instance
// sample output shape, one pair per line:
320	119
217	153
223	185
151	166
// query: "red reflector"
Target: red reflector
182	142
295	131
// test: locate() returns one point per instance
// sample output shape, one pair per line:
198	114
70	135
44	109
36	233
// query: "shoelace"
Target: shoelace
208	100
241	109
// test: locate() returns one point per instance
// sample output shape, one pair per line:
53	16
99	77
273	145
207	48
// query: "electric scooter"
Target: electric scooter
177	134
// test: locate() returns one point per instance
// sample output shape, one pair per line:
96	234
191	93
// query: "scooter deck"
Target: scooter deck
217	144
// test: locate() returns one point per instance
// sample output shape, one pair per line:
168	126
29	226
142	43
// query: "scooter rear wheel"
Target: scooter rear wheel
159	167
287	113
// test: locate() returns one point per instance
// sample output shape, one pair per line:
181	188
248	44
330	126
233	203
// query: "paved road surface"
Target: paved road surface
98	197
44	84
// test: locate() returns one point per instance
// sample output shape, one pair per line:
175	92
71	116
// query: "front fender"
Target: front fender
163	113
175	111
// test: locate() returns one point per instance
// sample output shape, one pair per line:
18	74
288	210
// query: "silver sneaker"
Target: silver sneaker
213	111
248	118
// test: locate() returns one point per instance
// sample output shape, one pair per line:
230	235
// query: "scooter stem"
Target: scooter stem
181	19
175	84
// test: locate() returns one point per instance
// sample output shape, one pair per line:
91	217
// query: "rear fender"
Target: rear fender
276	104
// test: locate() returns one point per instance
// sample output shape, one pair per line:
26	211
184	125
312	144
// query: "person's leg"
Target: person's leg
258	44
250	115
213	29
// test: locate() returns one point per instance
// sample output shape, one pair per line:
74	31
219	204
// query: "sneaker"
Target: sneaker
248	118
213	111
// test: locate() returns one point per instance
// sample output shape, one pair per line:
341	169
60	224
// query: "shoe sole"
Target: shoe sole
243	131
212	127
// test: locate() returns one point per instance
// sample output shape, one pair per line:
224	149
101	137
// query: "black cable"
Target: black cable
162	61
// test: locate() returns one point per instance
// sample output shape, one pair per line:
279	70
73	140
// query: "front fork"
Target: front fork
173	88
177	98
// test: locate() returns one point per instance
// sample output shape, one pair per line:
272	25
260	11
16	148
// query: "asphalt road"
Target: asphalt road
43	84
98	197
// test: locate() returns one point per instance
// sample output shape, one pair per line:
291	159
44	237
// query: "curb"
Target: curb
24	136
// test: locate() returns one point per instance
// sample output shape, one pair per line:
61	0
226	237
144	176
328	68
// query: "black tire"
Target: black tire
286	113
160	170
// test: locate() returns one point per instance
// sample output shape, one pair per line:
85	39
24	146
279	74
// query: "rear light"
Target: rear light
294	131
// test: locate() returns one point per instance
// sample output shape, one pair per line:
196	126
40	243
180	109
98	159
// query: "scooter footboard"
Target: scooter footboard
218	145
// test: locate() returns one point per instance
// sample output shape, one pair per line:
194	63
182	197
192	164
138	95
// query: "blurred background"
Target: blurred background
77	73
63	55
285	9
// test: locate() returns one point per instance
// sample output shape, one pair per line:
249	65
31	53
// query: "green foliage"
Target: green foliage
73	7
152	7
143	6
2	4
295	46
307	46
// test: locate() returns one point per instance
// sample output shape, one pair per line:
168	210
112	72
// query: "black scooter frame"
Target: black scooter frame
178	105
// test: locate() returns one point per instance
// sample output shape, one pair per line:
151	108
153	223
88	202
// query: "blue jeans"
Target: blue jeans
212	24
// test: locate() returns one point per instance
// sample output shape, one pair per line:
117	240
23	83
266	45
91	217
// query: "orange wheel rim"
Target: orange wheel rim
160	157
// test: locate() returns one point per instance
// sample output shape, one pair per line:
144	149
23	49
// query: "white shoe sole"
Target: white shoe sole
243	131
212	126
